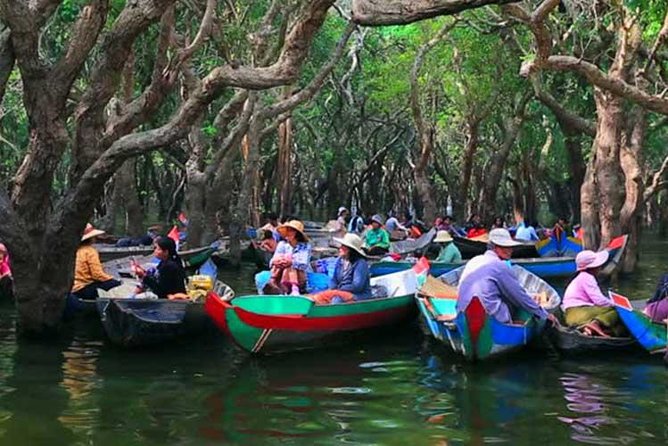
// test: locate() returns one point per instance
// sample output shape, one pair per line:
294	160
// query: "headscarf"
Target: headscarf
661	290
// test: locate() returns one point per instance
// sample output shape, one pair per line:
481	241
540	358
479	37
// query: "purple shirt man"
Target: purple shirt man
493	281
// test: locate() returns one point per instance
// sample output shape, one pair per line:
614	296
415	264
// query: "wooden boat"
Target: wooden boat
543	268
653	336
140	322
549	267
555	246
471	247
472	332
108	253
411	245
279	323
572	341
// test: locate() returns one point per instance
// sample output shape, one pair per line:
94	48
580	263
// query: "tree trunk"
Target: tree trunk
284	167
631	160
663	215
126	187
422	182
472	141
607	171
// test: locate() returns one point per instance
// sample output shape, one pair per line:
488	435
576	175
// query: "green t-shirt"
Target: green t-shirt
377	237
449	254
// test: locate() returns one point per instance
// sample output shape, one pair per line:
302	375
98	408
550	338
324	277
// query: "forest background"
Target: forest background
127	112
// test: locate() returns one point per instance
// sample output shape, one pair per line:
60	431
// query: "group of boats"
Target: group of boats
266	324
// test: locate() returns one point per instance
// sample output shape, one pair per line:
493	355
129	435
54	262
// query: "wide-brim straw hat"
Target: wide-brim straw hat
90	232
352	241
590	259
292	224
443	237
501	237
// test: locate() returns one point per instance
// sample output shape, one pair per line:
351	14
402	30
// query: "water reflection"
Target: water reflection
34	399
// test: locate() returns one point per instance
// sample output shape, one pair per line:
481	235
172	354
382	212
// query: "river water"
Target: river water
394	388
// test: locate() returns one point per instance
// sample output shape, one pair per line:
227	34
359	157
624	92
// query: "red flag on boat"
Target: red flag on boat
616	242
620	301
421	269
174	235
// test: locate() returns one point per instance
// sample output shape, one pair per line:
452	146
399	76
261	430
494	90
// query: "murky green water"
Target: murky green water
393	389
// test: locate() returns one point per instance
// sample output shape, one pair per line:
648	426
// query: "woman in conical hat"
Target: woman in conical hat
290	260
89	274
351	274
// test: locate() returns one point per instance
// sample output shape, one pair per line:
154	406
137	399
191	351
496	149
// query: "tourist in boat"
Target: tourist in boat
498	223
6	280
449	253
393	224
526	232
657	305
350	281
475	228
376	238
291	260
271	224
356	224
561	228
489	278
168	279
340	227
89	274
584	305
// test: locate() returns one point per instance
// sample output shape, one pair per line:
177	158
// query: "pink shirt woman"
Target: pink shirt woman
583	291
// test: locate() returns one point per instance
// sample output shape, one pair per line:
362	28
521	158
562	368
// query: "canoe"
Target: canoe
75	307
554	246
572	341
543	268
108	253
411	245
653	336
280	323
547	267
143	322
472	247
474	333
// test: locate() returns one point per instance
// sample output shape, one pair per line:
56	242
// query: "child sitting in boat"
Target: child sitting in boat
657	305
290	261
350	281
584	304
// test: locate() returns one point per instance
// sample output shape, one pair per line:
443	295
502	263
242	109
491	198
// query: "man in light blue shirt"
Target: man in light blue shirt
489	278
526	233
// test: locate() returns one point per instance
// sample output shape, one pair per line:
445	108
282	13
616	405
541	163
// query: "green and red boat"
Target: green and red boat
653	336
473	332
261	323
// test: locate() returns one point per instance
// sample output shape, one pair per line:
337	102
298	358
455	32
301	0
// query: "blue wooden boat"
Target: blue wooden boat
544	268
547	267
653	336
473	332
559	246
